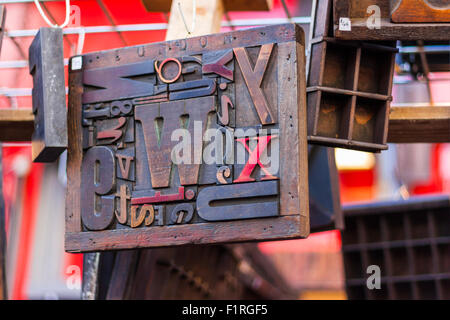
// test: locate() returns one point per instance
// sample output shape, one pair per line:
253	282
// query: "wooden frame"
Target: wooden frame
285	84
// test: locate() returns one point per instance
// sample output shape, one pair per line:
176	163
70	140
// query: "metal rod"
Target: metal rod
110	19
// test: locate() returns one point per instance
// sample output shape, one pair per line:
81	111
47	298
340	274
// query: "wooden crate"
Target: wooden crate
125	191
362	15
409	240
348	97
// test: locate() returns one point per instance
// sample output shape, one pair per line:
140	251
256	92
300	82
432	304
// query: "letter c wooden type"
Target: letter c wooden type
97	179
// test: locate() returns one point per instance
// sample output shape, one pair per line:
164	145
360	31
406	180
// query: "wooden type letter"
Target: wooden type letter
182	213
114	133
97	179
254	159
218	66
192	89
124	195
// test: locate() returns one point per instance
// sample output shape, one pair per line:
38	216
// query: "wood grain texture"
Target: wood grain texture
16	124
251	230
74	152
419	124
420	11
356	10
294	190
230	5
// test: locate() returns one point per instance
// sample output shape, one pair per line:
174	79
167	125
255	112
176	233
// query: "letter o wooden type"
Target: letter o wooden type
97	179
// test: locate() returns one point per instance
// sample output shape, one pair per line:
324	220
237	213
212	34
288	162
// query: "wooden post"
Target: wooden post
3	294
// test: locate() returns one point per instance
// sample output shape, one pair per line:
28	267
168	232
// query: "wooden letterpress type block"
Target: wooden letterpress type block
49	98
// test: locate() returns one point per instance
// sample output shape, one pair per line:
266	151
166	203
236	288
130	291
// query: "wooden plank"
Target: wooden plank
356	11
16	124
419	124
252	230
229	5
46	65
207	19
420	11
74	152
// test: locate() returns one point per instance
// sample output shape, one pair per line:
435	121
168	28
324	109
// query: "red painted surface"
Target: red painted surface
30	196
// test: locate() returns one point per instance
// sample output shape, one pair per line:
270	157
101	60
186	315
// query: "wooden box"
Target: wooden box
137	175
410	242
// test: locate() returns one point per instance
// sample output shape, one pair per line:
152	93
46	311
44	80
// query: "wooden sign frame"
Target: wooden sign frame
264	90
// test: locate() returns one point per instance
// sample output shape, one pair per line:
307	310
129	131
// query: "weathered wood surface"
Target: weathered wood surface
16	124
358	12
49	97
420	11
229	5
419	124
124	187
348	99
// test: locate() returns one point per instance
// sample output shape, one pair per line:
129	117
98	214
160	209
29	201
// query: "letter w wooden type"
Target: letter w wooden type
145	124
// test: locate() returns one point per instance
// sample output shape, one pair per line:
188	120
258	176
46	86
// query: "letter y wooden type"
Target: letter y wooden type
144	123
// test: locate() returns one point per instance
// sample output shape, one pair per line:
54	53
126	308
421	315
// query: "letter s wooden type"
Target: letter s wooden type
97	179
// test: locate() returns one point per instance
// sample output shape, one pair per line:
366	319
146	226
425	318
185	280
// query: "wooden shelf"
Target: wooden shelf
419	124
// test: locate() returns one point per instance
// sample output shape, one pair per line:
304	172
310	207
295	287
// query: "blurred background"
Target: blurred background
37	266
